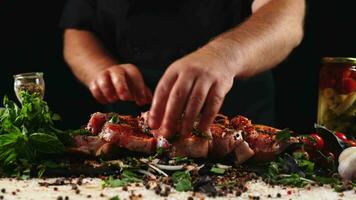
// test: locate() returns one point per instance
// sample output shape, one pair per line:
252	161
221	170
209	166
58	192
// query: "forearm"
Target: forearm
85	54
263	40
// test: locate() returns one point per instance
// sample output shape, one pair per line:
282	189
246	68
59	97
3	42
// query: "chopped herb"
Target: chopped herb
284	134
182	181
180	160
127	176
217	170
114	119
159	151
115	198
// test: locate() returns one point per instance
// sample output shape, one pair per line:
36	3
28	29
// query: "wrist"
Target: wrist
230	52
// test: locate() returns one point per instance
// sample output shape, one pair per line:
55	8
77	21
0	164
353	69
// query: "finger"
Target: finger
137	83
212	106
176	104
95	91
195	104
107	88
120	84
148	95
160	98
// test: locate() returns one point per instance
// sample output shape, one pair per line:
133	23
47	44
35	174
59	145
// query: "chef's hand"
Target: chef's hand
119	82
196	83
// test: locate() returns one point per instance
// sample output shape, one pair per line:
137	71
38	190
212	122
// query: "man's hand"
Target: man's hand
195	84
119	82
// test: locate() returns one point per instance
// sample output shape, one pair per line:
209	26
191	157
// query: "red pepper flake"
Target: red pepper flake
289	192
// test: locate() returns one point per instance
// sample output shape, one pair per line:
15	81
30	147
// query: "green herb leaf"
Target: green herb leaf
114	119
284	134
128	176
46	143
115	198
27	134
180	160
217	170
182	181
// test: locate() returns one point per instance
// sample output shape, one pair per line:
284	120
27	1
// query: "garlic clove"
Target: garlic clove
346	153
347	164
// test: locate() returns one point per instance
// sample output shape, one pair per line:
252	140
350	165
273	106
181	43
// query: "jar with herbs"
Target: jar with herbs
337	95
31	82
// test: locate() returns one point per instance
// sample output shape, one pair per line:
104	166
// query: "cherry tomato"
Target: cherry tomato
317	141
352	143
347	86
341	136
346	73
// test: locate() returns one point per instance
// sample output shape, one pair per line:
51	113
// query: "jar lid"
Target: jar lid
29	75
346	60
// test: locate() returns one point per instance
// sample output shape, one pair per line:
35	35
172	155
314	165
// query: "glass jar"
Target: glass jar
337	95
31	82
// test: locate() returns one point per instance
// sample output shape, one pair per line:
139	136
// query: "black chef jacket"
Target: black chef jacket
152	34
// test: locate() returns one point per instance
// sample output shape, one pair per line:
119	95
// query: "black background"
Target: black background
30	40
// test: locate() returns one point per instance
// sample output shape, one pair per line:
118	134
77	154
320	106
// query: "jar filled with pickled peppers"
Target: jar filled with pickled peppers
337	95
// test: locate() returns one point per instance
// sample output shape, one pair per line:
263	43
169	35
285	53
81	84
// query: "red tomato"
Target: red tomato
347	86
341	136
317	141
346	73
353	74
352	143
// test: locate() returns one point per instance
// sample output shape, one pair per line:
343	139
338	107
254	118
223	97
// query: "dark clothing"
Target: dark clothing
153	34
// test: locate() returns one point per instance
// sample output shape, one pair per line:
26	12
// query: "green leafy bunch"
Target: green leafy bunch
27	133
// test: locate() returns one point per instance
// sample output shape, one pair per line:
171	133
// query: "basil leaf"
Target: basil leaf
45	143
182	181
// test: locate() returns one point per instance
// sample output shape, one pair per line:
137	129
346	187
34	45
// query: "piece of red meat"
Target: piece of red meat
224	140
96	122
128	137
89	145
190	146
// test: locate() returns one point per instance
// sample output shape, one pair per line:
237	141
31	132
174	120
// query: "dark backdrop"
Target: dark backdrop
30	40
